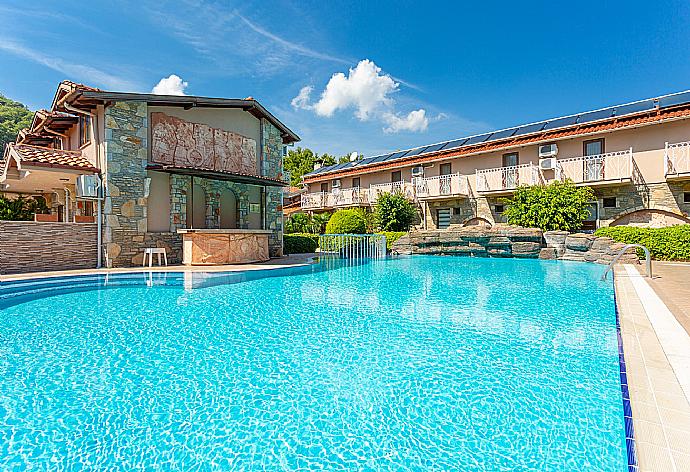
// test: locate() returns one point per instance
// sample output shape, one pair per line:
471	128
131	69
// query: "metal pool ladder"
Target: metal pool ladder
647	256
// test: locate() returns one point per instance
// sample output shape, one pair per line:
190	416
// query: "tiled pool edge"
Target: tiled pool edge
633	465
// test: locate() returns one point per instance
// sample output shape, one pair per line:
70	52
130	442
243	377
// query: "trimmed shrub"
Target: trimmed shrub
300	243
556	206
346	222
391	237
394	212
665	244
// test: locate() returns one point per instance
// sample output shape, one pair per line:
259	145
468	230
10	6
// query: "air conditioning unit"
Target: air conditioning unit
88	186
548	150
547	164
336	183
418	171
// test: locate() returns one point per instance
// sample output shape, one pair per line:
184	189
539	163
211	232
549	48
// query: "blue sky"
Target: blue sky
422	72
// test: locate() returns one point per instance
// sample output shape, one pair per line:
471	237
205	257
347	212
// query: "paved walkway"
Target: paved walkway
292	260
671	283
657	356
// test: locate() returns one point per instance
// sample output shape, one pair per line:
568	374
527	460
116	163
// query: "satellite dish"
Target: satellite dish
353	156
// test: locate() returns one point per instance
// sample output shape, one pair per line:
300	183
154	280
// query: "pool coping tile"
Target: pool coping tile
649	382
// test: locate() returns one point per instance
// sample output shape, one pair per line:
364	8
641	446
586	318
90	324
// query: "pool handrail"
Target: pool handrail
647	255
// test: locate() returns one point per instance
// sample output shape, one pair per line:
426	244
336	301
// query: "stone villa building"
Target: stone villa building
636	158
166	163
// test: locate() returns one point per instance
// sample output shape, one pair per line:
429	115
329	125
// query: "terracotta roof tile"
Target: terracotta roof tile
52	157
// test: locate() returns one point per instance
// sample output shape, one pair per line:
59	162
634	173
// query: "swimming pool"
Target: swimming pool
414	363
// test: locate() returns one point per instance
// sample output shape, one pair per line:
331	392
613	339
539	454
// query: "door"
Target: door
510	175
443	218
444	180
590	223
593	162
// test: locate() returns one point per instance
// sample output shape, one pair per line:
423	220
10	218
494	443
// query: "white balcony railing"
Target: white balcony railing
350	197
508	178
312	201
441	185
616	166
403	188
677	158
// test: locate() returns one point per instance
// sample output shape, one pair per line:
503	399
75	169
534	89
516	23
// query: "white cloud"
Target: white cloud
78	72
365	89
369	92
171	85
415	121
303	98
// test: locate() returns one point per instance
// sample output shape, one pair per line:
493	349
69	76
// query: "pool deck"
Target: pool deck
293	260
654	321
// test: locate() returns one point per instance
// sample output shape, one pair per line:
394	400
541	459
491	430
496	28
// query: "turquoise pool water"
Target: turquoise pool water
417	363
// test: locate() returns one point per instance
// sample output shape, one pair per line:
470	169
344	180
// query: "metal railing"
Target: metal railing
441	185
313	200
508	178
647	256
354	246
598	168
677	158
350	196
404	188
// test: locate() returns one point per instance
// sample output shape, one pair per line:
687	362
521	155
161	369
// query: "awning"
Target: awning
216	175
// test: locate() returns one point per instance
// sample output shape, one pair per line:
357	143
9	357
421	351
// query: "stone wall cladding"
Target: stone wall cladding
272	166
26	246
511	241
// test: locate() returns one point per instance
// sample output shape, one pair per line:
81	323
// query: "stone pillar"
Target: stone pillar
272	167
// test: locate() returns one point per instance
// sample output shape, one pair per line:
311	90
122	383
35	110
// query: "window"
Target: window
456	211
84	130
355	182
593	147
511	159
396	176
686	197
609	202
324	187
499	208
446	169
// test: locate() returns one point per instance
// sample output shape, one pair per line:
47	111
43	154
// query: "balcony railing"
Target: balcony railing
611	166
508	178
677	159
439	186
404	188
312	201
350	197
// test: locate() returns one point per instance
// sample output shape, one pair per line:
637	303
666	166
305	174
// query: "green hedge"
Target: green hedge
346	222
666	244
300	243
391	237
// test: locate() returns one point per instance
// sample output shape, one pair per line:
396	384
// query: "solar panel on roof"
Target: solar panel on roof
477	139
560	122
435	147
634	107
676	99
595	115
382	157
368	160
506	133
454	144
533	128
415	152
397	155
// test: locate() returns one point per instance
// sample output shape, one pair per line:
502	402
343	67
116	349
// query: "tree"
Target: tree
301	161
13	117
394	212
556	206
21	208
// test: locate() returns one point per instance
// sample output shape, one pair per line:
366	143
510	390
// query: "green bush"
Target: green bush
300	243
21	208
391	237
304	223
666	244
394	212
556	206
346	222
